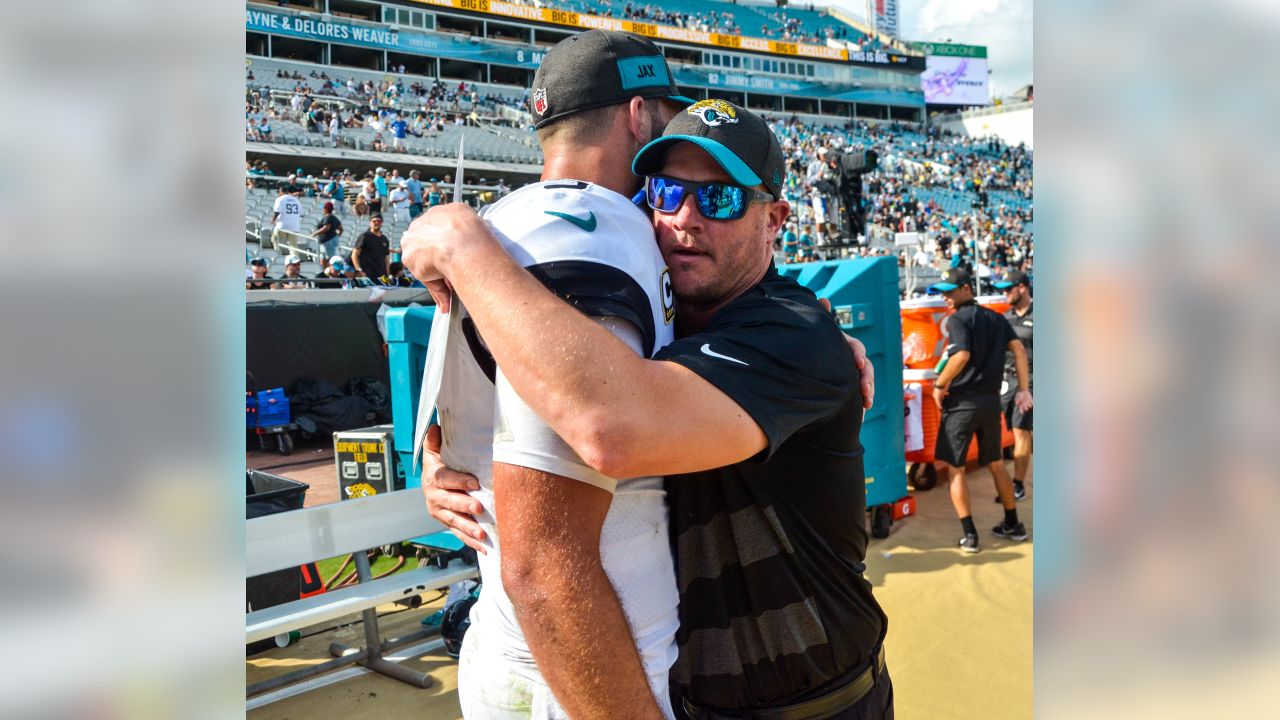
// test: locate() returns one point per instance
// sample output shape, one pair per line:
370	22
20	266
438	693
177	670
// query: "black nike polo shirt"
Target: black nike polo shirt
986	335
769	551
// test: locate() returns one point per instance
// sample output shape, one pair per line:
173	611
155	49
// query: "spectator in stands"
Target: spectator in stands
259	279
395	276
292	278
380	185
315	118
372	249
336	191
790	240
286	212
334	127
262	132
415	188
371	197
361	205
434	195
399	130
400	204
336	269
328	230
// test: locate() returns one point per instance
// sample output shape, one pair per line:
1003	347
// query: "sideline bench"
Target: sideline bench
297	537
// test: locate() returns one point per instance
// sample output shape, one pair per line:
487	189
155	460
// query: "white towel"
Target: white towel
914	421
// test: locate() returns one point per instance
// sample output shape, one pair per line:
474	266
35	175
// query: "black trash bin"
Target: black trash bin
267	494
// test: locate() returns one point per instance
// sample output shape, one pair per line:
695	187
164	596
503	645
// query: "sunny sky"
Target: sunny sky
1004	26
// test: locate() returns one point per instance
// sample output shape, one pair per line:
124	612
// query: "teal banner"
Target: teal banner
380	38
744	82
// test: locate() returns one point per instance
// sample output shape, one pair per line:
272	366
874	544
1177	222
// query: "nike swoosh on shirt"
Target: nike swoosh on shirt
706	350
588	224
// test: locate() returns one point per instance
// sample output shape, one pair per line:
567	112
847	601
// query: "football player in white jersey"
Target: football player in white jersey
579	604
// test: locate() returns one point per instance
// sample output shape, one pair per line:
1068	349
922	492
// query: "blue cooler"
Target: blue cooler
864	296
407	332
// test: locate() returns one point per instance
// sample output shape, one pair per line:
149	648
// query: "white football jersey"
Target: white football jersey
595	249
289	211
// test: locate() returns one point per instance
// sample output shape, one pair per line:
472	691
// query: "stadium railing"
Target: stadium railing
294	243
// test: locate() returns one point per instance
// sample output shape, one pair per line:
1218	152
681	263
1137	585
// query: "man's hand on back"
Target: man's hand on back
446	494
861	362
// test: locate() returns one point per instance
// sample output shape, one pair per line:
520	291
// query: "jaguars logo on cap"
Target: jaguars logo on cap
714	113
540	101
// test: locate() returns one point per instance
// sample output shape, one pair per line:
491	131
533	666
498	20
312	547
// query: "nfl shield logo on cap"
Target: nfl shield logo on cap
540	101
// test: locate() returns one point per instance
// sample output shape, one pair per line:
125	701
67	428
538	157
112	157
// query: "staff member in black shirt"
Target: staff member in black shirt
753	414
371	249
1017	289
968	391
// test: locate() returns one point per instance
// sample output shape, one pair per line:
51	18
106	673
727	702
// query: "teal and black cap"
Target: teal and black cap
596	68
739	140
1013	277
952	279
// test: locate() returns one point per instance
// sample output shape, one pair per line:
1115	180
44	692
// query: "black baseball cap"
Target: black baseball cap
596	68
952	279
1011	278
739	140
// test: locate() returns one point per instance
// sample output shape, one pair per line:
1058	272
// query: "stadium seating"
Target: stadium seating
748	18
968	165
264	71
952	202
481	144
259	202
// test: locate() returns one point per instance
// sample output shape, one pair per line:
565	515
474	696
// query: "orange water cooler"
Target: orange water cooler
923	340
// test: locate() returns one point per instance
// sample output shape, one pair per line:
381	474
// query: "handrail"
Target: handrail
281	238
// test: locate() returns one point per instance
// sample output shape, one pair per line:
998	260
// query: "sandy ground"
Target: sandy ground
960	626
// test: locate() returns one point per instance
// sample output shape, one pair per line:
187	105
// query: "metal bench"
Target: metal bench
297	537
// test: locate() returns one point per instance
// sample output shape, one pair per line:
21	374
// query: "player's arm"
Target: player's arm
613	408
1023	397
567	608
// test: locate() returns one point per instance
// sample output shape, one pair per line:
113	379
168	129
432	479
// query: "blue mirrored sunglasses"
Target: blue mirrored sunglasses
715	200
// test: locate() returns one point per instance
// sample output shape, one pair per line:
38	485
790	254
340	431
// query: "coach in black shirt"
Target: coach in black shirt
968	392
1017	290
753	415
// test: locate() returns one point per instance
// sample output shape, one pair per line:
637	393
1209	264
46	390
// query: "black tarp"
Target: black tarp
337	342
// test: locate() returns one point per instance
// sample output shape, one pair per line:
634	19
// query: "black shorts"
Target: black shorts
962	418
1015	418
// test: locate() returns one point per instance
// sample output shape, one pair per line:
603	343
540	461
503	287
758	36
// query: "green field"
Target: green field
328	567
